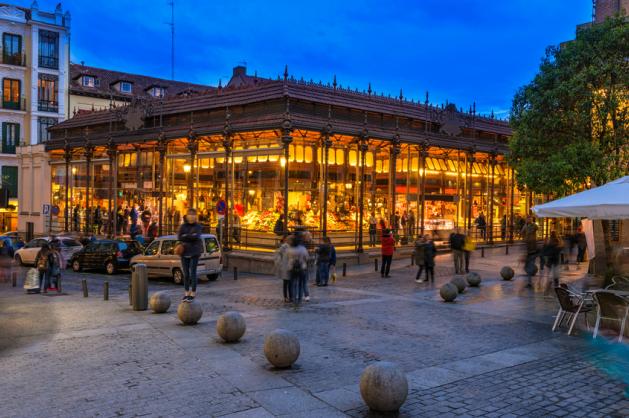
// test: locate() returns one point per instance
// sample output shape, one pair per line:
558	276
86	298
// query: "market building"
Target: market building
322	156
34	71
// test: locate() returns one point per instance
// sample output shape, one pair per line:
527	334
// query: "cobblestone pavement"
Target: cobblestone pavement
491	353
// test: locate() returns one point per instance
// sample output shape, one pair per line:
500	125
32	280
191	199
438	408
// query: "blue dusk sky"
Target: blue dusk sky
458	50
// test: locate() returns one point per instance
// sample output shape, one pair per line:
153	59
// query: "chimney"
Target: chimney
239	70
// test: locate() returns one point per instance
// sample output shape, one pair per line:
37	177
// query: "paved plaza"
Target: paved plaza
491	353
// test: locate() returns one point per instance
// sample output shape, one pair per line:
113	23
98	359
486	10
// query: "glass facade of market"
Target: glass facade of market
254	176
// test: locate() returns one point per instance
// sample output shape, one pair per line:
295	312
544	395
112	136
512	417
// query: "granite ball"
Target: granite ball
383	387
159	302
281	348
473	279
449	292
231	326
190	313
507	273
460	283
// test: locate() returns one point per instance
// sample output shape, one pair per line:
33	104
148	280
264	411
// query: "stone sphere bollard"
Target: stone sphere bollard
383	387
507	273
189	313
460	283
473	279
159	302
231	326
449	292
281	348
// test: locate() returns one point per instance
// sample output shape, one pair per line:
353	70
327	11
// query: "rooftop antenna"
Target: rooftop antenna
171	3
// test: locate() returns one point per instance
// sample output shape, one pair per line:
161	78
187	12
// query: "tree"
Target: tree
570	122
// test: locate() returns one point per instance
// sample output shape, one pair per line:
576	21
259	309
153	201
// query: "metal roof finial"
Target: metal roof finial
401	95
369	89
286	72
334	82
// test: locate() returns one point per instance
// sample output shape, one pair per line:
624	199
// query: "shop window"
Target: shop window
369	159
308	154
442	165
49	49
430	164
299	154
378	166
331	156
10	137
11	93
451	166
340	156
353	158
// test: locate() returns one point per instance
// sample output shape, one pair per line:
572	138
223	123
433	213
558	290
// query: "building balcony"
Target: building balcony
20	104
47	106
49	62
13	59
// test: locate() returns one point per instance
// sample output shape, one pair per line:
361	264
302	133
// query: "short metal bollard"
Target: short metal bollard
14	278
106	291
139	287
130	301
375	264
235	273
344	269
84	286
412	261
507	249
482	252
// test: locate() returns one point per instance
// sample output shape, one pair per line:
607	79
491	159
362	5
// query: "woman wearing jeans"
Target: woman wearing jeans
190	236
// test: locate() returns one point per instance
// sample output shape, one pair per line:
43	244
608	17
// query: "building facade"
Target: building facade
34	72
319	156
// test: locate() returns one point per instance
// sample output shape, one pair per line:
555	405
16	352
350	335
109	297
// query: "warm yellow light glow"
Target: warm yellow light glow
283	162
187	168
348	186
308	155
369	159
340	156
73	170
205	164
331	156
252	192
353	158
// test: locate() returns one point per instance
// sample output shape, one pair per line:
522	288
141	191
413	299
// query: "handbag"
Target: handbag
469	245
179	249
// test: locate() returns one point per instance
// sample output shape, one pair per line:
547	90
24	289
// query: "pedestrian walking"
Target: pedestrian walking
297	255
388	247
430	251
282	269
468	248
457	242
5	260
57	263
278	229
420	258
324	254
43	262
581	244
552	251
190	249
411	224
529	235
481	225
373	228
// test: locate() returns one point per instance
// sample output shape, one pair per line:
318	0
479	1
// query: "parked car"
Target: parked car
109	255
26	255
11	244
161	261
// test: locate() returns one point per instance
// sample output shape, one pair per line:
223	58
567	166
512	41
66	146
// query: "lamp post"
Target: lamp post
161	149
227	145
287	139
193	147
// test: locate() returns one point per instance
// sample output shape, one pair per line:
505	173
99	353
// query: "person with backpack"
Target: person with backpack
529	235
297	256
43	263
324	255
419	258
57	262
190	236
282	269
387	250
430	251
373	228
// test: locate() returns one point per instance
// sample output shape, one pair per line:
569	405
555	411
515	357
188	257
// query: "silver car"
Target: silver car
161	261
27	254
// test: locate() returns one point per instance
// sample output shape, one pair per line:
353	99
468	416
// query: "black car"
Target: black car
110	255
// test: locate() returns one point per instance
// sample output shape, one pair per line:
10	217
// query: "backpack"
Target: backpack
296	267
42	263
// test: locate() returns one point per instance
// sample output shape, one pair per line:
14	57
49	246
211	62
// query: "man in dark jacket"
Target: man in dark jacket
324	256
457	241
190	236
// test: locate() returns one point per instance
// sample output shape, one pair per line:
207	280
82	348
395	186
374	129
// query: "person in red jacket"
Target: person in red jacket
388	247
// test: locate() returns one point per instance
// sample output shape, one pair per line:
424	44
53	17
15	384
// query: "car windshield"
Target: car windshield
210	245
122	246
70	243
152	249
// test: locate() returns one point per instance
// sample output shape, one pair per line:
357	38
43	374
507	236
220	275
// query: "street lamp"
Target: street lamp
187	168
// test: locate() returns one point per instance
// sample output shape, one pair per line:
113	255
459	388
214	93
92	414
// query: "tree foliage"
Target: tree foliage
570	122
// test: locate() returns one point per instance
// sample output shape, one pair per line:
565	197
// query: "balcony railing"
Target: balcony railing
20	104
49	62
47	106
13	58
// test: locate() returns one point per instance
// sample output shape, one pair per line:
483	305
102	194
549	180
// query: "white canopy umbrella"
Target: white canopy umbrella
609	201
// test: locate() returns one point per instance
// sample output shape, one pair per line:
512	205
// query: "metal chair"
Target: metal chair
571	304
618	283
612	307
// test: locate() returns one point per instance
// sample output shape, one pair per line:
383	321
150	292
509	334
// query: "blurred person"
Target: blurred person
420	258
430	251
190	236
373	228
387	250
457	242
297	256
282	269
529	235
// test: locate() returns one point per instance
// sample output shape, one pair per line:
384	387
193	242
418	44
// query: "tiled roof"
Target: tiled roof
107	80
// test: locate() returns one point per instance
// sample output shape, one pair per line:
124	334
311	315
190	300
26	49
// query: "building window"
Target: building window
47	93
125	87
49	49
157	91
88	81
9	179
10	137
44	124
11	93
12	49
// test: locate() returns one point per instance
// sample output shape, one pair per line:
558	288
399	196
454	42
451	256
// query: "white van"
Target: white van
161	261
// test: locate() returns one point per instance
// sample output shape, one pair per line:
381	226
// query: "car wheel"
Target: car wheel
19	260
110	268
213	277
76	266
177	276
